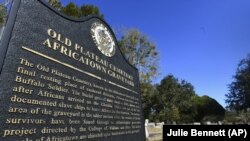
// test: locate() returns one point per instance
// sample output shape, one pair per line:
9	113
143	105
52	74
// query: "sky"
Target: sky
201	41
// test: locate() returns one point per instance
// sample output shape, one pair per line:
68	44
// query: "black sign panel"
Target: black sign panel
63	79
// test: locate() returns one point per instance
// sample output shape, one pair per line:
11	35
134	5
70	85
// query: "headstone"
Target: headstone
208	123
146	122
151	124
196	123
146	129
160	124
220	122
63	79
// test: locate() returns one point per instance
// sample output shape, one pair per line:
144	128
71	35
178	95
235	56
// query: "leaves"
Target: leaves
86	10
238	97
3	12
56	4
175	97
71	9
207	109
175	101
140	52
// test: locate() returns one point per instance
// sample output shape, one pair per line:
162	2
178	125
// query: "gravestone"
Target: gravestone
63	79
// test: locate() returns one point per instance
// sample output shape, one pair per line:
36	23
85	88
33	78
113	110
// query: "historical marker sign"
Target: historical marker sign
65	80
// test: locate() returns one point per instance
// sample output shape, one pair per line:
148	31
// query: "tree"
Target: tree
174	103
71	10
207	109
233	117
140	52
184	102
55	3
238	97
85	10
90	10
164	107
149	98
3	11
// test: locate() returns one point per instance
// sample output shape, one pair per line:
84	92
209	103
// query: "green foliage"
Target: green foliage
184	101
213	118
234	117
1	18
90	10
148	92
176	101
73	10
175	114
238	97
207	109
3	12
55	3
140	52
